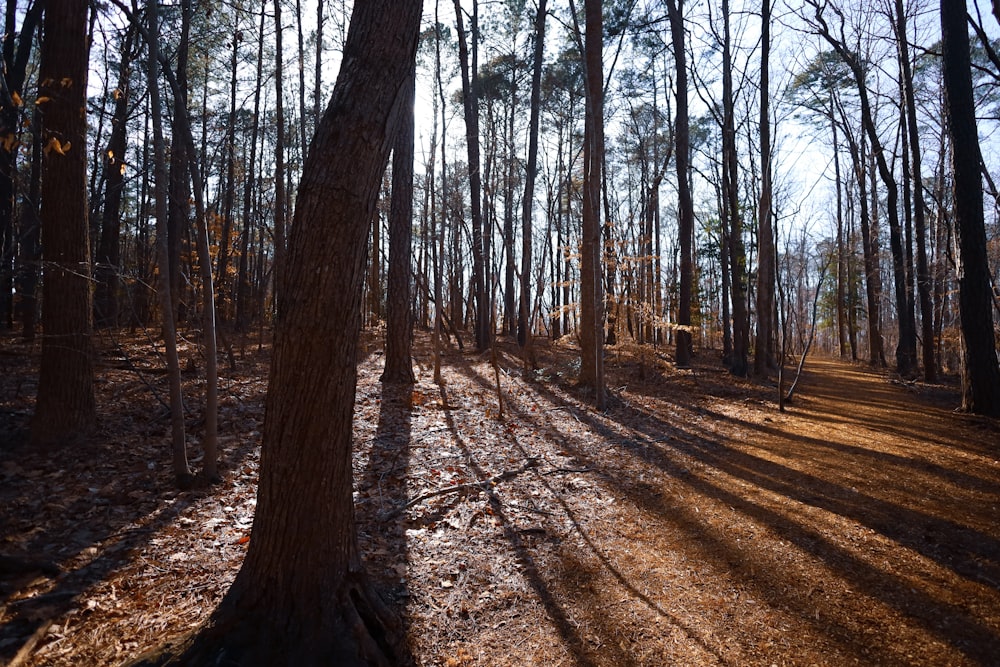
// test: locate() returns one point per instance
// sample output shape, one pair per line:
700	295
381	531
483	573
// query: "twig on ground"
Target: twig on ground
482	485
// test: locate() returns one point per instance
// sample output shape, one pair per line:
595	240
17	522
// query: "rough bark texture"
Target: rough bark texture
591	292
980	373
66	406
301	597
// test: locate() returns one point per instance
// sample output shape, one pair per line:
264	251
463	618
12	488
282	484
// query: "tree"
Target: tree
980	372
766	254
15	62
301	597
399	319
524	309
920	226
66	406
685	222
470	102
108	258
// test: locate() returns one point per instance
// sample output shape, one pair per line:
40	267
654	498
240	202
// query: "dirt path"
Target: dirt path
690	524
703	527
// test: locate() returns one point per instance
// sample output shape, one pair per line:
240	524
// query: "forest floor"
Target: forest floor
691	523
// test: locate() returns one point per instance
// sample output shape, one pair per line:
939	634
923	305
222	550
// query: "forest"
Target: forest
391	332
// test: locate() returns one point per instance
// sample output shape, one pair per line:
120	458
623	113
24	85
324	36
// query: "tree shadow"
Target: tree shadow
381	487
691	453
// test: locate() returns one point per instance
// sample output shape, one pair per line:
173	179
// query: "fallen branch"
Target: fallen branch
29	646
482	485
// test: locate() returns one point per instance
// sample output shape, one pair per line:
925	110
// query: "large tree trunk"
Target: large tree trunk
980	372
591	285
66	406
301	597
685	222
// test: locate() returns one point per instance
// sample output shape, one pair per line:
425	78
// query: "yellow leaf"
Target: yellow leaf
55	145
122	170
43	99
111	155
16	98
66	82
117	94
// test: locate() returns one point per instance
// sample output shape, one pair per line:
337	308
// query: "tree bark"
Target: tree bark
766	256
685	223
919	220
591	284
524	334
980	371
399	316
730	184
66	406
470	101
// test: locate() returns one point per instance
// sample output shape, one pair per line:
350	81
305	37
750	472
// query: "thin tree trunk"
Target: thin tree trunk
470	100
279	165
180	464
764	344
108	267
685	226
524	332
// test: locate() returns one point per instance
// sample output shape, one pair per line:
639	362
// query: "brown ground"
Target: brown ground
690	524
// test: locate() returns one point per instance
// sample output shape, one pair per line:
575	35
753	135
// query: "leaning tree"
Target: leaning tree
301	597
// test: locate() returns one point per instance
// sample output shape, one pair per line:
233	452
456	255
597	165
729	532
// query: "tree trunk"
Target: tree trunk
470	101
766	259
277	272
301	597
107	269
919	220
591	285
180	191
182	473
66	407
243	297
980	372
730	184
399	317
685	223
15	61
524	333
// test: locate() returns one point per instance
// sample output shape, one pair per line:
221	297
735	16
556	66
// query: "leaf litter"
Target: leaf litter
691	523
